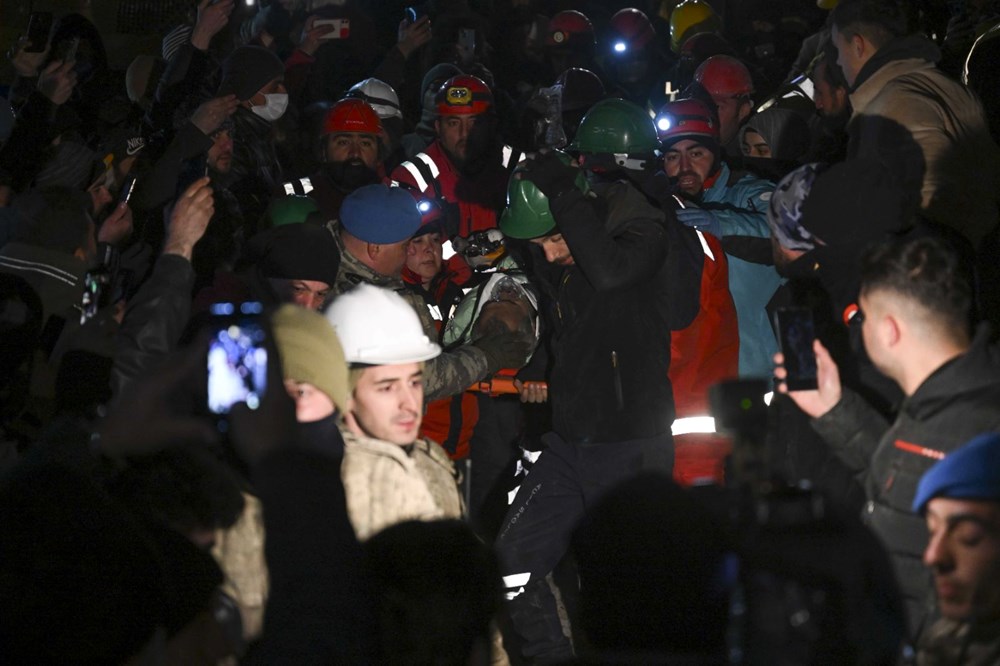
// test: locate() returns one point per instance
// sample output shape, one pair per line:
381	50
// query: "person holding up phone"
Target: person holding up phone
914	316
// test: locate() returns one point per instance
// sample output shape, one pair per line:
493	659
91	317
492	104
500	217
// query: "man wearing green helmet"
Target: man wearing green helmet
600	251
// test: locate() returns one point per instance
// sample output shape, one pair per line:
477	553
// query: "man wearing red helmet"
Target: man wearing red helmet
570	42
349	147
466	165
733	207
635	66
728	82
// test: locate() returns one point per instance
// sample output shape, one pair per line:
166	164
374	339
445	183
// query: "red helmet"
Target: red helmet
352	115
463	95
570	28
686	119
724	76
431	215
631	30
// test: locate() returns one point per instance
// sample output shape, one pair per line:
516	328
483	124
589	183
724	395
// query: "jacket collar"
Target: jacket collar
910	47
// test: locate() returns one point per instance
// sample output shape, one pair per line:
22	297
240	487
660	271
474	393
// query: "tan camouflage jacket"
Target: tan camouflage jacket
384	484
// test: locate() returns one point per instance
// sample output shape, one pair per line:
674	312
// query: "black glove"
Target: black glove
504	349
550	175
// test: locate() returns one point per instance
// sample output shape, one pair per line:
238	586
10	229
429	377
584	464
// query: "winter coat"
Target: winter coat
960	171
609	318
959	400
386	483
740	202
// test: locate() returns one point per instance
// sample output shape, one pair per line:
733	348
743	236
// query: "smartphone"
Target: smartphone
341	28
127	188
796	334
39	31
467	39
96	293
237	357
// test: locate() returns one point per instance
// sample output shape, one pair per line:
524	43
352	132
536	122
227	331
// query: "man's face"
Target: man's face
350	146
453	133
848	58
754	145
691	163
555	248
733	110
423	255
391	258
389	402
963	553
220	155
311	404
311	294
829	101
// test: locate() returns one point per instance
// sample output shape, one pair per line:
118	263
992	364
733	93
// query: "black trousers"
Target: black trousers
566	480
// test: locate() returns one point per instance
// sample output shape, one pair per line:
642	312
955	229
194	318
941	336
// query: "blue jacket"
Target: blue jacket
741	208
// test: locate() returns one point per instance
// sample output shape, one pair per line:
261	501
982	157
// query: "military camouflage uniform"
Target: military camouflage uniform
446	375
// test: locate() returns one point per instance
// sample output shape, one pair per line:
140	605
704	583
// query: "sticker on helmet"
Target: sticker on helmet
459	96
558	36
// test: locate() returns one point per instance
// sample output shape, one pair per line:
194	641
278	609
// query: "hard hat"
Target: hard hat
431	215
377	326
724	76
463	95
527	214
686	119
631	31
581	89
353	116
826	4
616	126
571	29
379	95
690	18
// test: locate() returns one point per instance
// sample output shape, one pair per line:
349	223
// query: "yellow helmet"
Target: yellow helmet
689	18
826	4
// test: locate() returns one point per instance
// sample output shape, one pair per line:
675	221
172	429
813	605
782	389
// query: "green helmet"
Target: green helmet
616	126
527	214
291	209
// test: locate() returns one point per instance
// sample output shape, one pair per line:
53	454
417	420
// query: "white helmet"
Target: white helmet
380	95
377	327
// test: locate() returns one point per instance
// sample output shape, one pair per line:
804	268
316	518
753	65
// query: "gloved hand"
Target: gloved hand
504	349
550	175
700	219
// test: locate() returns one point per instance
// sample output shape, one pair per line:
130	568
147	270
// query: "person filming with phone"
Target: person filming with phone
915	308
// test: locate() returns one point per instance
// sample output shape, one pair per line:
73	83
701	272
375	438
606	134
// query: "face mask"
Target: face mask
274	108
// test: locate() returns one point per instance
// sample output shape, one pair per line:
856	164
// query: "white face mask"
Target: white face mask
274	108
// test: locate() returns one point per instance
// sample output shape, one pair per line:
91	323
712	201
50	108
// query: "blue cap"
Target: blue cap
380	214
970	472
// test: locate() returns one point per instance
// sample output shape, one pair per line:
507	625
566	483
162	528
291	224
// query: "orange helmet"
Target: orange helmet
463	95
351	115
570	28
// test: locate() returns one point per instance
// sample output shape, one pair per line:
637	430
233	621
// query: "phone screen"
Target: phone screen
237	358
796	333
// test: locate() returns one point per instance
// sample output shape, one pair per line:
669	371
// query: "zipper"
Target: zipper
619	394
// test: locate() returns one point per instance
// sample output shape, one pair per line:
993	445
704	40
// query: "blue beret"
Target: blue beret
380	214
970	472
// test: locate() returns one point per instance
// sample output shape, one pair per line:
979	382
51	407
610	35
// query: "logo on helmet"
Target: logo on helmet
459	96
558	36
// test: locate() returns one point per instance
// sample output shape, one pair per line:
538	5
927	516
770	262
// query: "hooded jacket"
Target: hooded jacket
959	400
932	130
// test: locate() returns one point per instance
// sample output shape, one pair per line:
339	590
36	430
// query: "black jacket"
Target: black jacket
609	318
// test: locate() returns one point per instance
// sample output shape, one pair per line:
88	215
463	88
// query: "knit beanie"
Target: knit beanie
310	351
247	70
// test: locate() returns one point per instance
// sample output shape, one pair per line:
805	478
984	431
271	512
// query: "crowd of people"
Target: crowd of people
502	332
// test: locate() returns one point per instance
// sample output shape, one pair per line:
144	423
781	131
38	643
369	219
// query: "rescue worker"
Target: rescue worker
635	65
373	233
600	252
570	42
350	146
466	165
728	82
383	98
732	206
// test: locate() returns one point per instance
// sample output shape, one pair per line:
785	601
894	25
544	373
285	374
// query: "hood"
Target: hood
974	373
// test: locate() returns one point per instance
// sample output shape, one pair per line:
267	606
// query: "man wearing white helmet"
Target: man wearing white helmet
389	473
383	98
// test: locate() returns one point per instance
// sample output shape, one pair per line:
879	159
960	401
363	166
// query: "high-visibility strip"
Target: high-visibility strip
289	189
447	251
704	245
515	583
307	185
435	312
508	153
426	159
531	456
393	183
919	450
768	397
513	493
693	424
417	177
